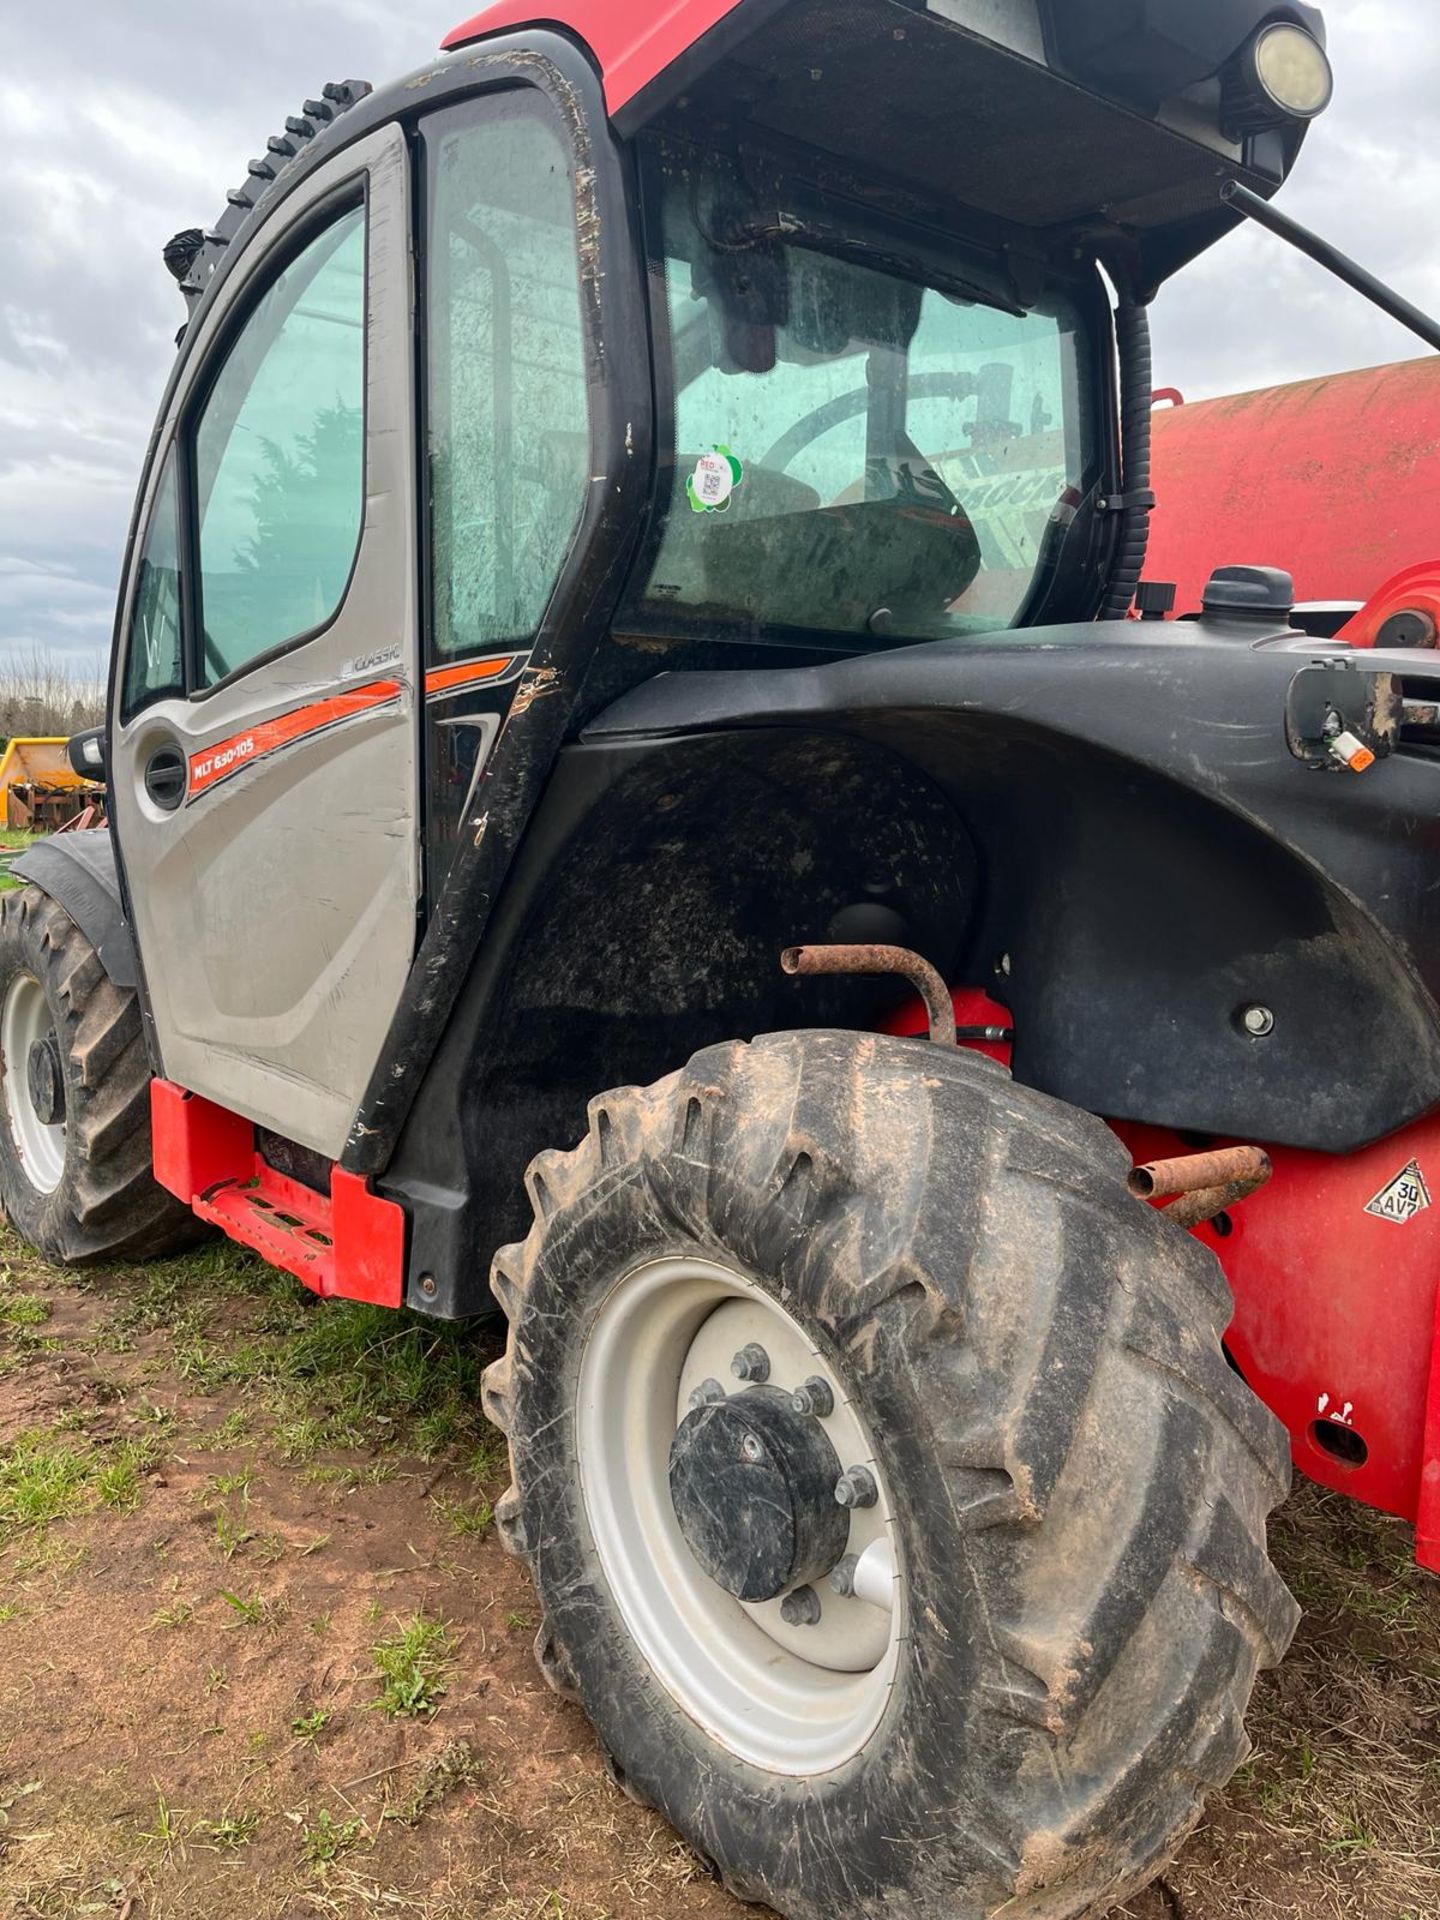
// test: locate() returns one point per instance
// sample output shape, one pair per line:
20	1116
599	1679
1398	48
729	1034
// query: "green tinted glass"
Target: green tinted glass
280	457
857	453
154	664
508	401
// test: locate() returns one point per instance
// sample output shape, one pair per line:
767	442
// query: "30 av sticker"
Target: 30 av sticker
1404	1197
717	474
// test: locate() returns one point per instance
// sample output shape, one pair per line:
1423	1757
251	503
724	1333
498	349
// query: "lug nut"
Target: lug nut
706	1395
842	1580
815	1398
752	1365
801	1608
856	1488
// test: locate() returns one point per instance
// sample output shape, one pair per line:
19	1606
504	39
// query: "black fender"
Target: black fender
1156	862
78	871
1106	830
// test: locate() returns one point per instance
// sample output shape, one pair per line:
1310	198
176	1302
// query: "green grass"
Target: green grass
20	1309
48	1477
180	1615
257	1611
118	1481
41	1480
226	1833
325	1838
14	844
466	1518
413	1663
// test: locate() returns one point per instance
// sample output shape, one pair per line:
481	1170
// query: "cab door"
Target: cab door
264	743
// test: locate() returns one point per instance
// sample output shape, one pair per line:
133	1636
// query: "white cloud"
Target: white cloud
156	112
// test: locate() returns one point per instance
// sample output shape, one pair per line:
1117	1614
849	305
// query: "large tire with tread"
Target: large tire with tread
104	1204
1080	1480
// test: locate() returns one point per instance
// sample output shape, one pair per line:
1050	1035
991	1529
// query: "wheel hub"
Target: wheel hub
45	1081
753	1484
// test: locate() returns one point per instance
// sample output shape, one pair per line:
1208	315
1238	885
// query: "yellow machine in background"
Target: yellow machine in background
41	790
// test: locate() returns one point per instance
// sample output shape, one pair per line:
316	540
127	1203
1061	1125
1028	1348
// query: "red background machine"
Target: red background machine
1337	480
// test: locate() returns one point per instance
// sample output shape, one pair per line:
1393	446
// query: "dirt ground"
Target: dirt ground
262	1658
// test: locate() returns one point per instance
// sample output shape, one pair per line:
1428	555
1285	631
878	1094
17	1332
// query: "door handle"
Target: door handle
165	777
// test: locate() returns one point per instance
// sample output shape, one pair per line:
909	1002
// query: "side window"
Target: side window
154	663
280	458
508	406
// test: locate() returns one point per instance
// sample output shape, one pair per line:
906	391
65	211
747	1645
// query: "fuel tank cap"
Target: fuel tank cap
1250	593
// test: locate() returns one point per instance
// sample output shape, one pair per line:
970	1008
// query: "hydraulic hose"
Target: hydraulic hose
1137	388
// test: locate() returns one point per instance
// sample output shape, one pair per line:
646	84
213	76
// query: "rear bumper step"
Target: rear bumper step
349	1244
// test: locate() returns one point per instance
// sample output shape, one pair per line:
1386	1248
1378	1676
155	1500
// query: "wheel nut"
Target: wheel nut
752	1365
801	1608
815	1398
842	1580
856	1488
706	1395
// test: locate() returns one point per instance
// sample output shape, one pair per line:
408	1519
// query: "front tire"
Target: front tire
75	1151
1074	1482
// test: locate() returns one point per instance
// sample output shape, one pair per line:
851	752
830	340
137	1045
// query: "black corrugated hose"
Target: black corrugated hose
1137	390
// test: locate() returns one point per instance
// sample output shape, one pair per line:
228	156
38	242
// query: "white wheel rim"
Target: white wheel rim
26	1019
793	1700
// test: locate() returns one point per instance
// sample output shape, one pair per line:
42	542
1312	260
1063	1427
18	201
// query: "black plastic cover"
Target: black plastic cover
1148	51
78	872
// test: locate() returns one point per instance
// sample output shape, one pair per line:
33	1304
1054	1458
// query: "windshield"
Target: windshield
856	453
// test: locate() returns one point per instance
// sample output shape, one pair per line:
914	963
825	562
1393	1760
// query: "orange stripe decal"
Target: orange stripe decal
467	673
213	764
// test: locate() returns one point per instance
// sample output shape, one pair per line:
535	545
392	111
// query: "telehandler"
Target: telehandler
656	493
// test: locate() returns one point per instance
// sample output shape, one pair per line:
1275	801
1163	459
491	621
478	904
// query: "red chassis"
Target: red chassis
1335	1268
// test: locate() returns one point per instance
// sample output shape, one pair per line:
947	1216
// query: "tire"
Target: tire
79	1189
1078	1482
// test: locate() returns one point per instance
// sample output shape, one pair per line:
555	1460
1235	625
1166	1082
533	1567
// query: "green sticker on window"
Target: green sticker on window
717	474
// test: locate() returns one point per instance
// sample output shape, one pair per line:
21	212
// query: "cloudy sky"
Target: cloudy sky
133	121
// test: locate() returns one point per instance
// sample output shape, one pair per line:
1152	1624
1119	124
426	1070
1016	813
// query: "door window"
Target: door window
154	662
280	458
508	402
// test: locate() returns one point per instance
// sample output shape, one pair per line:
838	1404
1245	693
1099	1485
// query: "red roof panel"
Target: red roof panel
632	40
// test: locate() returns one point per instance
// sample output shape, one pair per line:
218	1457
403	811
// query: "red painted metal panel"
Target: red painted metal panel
1337	1308
1334	479
349	1244
1416	590
369	1242
633	41
1427	1522
196	1145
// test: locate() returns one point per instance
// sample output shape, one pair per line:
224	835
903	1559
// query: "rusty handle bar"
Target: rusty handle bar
1194	1209
925	979
1207	1183
1199	1172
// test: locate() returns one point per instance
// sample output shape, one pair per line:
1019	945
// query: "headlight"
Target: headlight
1294	69
1284	74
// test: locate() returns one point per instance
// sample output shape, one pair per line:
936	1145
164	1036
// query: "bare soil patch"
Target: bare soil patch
262	1657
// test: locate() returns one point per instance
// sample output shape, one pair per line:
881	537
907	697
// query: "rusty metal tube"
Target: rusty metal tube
1194	1209
1197	1172
925	979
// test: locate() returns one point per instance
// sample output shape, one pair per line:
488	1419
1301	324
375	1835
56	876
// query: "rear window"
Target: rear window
856	452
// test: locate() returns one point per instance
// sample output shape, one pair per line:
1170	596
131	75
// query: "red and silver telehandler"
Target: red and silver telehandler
637	803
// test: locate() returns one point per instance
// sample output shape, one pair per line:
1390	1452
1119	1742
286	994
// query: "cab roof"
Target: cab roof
633	41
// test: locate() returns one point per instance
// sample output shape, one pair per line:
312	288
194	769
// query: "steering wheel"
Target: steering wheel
845	406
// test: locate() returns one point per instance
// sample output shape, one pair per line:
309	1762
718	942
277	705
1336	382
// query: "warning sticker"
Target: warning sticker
716	476
1406	1195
